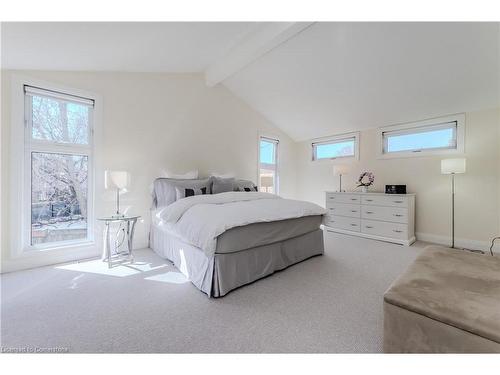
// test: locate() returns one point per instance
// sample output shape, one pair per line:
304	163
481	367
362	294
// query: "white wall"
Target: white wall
155	122
151	123
477	200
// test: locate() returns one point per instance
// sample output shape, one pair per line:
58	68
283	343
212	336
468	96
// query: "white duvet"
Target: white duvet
198	220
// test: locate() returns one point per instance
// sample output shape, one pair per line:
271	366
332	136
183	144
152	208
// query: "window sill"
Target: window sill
67	248
406	155
339	160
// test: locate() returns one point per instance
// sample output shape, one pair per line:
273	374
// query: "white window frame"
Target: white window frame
336	139
274	166
21	146
421	126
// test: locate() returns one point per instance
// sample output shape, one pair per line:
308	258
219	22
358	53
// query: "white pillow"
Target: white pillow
191	175
183	192
222	175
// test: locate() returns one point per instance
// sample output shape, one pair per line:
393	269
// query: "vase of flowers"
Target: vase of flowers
365	180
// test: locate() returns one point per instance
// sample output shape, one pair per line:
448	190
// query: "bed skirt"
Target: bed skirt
222	273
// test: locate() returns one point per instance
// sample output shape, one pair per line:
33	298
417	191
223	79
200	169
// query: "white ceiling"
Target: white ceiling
339	77
122	46
325	79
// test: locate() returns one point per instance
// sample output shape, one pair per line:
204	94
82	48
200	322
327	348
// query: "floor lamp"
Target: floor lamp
453	167
340	170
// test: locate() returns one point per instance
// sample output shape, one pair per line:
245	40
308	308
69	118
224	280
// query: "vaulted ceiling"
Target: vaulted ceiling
177	47
309	79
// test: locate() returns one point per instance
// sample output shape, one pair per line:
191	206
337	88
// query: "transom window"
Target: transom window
58	152
432	136
343	146
268	165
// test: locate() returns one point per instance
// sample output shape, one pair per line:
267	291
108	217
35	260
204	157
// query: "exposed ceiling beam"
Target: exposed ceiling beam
254	45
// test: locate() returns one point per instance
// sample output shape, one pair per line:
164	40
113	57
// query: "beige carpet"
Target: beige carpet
331	303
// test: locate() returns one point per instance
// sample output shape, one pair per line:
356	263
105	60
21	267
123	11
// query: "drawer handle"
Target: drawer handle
398	201
398	215
354	211
369	227
369	212
369	200
354	225
332	209
354	199
397	231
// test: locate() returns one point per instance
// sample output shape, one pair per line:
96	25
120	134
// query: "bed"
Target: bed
225	240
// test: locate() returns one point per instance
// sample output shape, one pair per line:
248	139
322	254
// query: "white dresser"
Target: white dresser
385	217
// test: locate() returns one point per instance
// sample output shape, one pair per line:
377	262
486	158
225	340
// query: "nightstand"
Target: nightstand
127	227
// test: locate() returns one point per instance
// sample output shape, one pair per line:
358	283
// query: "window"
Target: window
436	136
343	146
58	157
268	165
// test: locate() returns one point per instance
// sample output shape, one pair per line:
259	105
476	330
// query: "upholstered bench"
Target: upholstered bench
447	301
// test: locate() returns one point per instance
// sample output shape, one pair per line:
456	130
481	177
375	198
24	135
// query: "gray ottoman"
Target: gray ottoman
447	301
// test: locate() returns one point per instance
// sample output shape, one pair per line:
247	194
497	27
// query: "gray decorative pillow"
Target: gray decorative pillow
164	192
222	185
244	185
182	192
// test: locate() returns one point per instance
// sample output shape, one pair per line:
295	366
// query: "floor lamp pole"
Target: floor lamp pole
453	210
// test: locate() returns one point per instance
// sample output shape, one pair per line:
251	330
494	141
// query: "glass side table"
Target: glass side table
128	229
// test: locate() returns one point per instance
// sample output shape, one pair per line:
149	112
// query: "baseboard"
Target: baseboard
459	242
42	259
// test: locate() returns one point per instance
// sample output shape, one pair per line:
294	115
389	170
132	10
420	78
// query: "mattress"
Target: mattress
259	234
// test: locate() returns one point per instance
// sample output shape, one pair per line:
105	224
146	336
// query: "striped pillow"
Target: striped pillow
184	192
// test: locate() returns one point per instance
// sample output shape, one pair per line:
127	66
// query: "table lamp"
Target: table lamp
453	166
118	180
339	170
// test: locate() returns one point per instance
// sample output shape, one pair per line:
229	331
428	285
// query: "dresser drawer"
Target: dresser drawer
342	198
341	209
394	214
385	200
384	229
342	222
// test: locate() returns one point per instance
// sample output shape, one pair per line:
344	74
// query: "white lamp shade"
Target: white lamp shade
339	170
116	179
449	166
266	181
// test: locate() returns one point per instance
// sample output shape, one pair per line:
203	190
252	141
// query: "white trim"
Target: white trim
275	166
459	242
20	189
262	39
42	258
37	91
337	138
418	125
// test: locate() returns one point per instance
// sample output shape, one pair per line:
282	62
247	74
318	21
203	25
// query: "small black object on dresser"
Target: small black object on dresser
395	189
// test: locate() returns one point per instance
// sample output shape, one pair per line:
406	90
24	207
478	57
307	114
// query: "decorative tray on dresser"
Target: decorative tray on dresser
380	216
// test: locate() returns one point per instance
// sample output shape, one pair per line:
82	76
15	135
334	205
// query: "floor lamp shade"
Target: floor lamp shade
450	166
